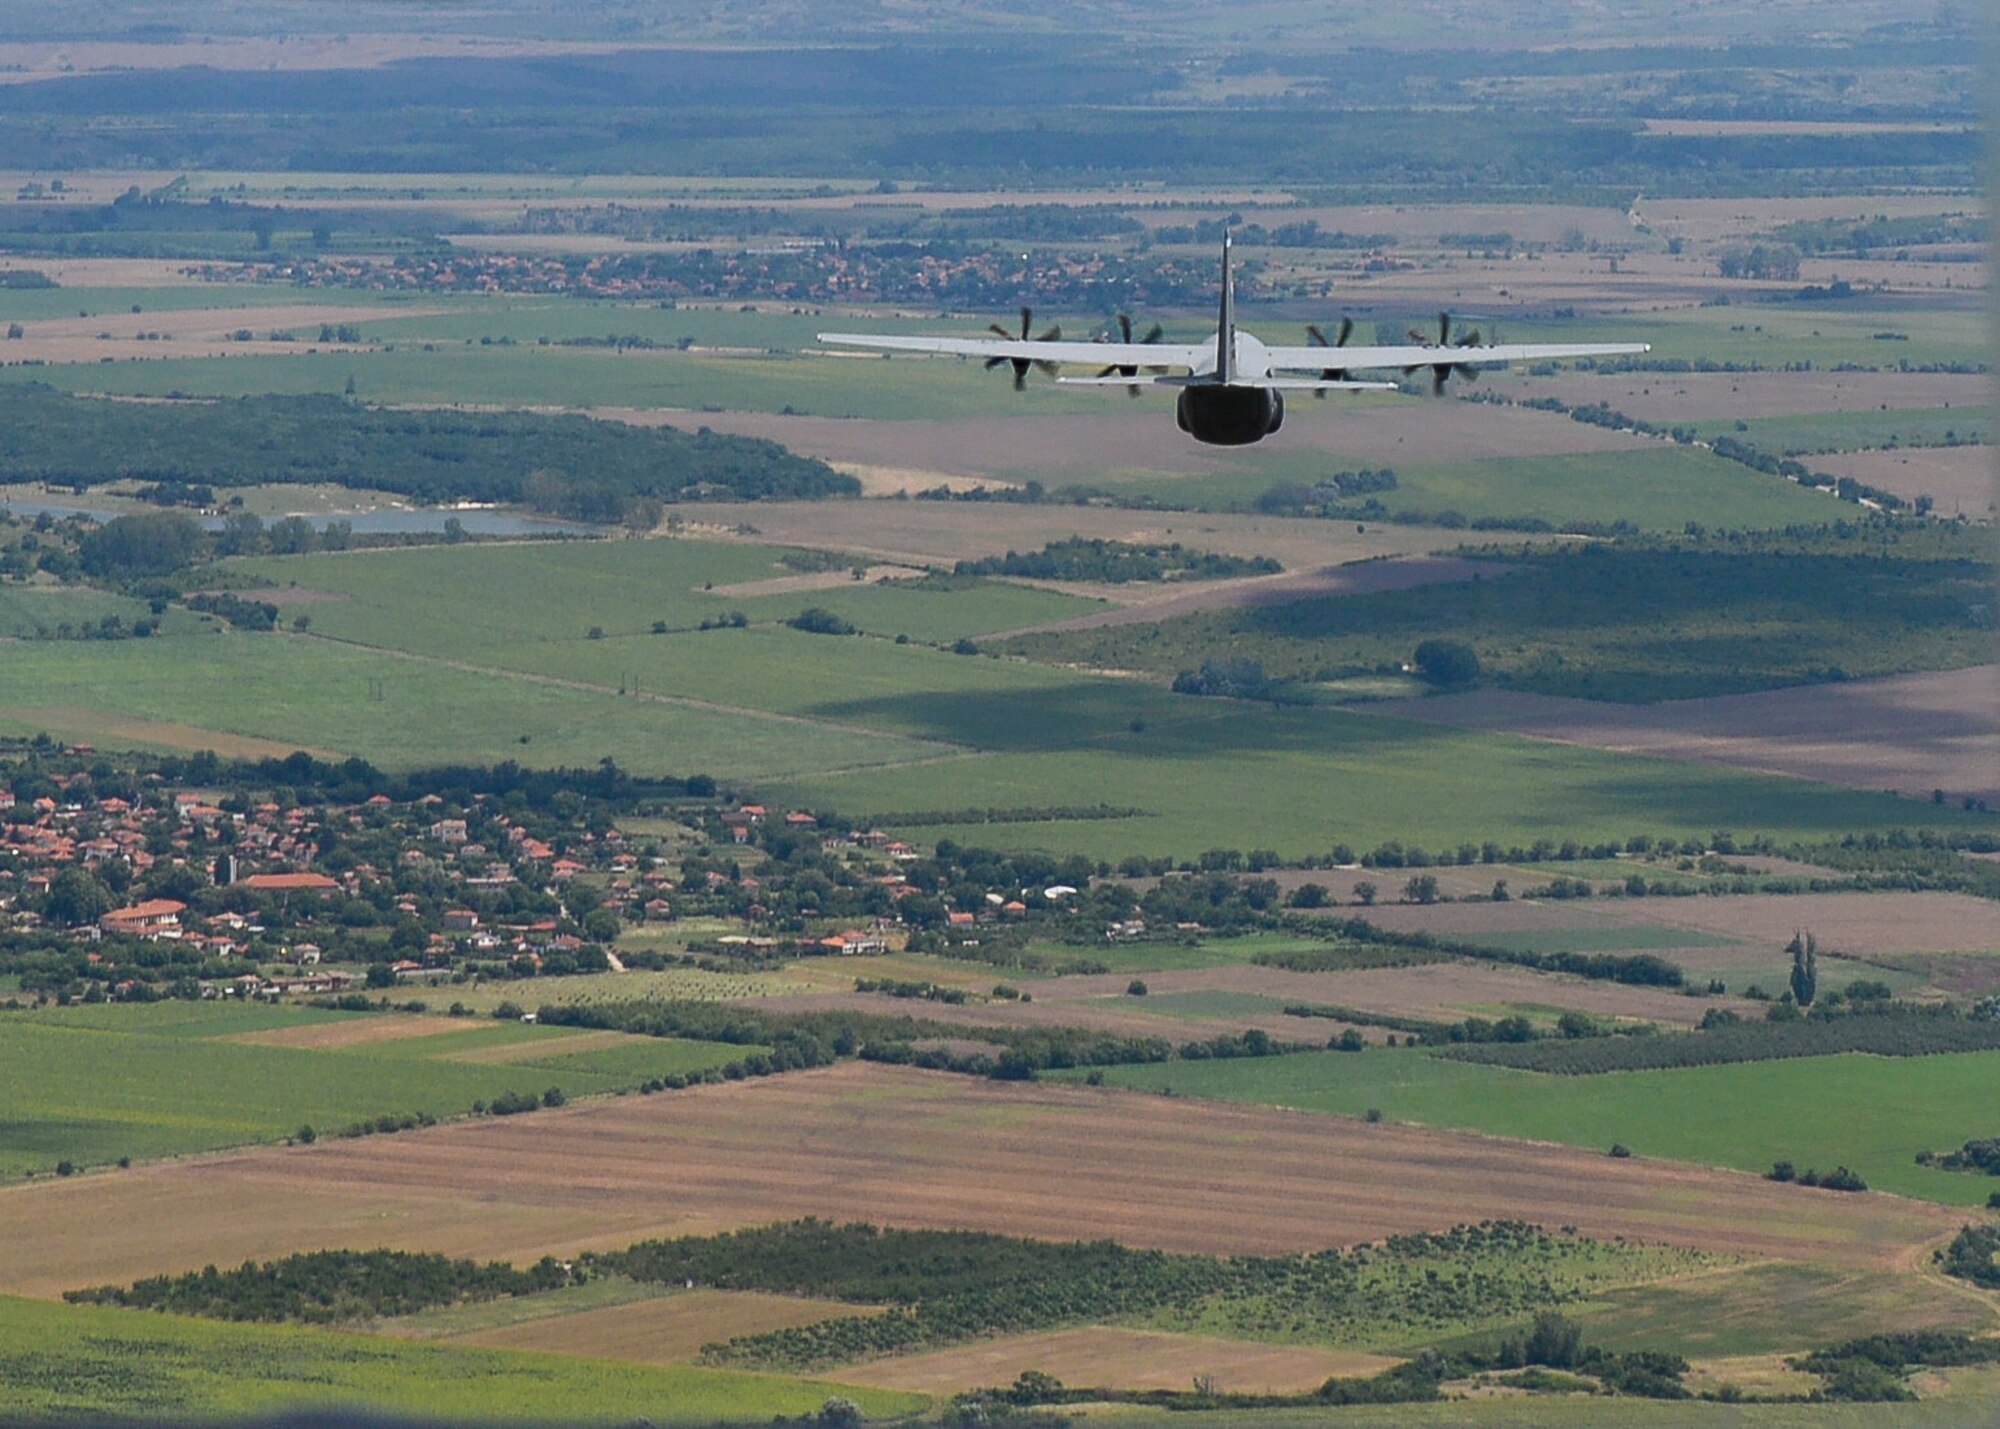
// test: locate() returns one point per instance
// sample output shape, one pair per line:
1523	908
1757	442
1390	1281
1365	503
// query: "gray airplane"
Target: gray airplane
1230	389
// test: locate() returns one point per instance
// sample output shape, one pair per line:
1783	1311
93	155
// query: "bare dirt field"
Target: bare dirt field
1164	601
1442	992
1912	733
669	1330
561	1046
115	349
934	531
217	323
22	62
1099	1011
79	722
1723	128
902	1147
1860	924
1961	480
291	595
1140	437
351	1032
816	580
1707	220
1669	397
105	272
1101	1357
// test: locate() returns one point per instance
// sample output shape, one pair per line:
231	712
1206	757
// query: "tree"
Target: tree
817	620
1421	889
380	975
152	543
77	897
1446	662
1555	1341
1805	968
1365	892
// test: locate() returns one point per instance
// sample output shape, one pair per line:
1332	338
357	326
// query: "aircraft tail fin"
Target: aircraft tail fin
1225	323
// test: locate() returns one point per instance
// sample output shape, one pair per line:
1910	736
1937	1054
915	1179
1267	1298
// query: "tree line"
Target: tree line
1117	563
1896	1031
564	464
328	1287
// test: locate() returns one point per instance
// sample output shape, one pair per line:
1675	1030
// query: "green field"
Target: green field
1301	781
1847	431
1971	1404
470	601
310	693
1869	1113
92	1084
1677	620
531	376
1656	489
43	612
1772	1308
1176	956
61	1361
485	654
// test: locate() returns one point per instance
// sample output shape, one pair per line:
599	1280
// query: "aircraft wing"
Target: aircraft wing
1267	384
1347	359
1098	354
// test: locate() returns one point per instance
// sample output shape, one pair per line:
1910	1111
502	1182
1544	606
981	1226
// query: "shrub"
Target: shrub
1619	1150
1446	662
816	620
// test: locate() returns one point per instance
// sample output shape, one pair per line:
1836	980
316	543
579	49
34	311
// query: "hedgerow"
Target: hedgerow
1971	1254
1898	1032
329	1287
945	1287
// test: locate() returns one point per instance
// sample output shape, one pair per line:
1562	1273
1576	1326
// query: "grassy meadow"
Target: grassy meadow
1301	781
1655	489
322	695
92	1084
1872	1114
62	1361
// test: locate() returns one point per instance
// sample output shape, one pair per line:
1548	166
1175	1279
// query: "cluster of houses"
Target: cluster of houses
477	888
792	273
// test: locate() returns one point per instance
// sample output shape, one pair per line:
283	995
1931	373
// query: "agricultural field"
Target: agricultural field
62	1361
1873	1114
902	1147
501	264
1298	782
91	1085
1913	733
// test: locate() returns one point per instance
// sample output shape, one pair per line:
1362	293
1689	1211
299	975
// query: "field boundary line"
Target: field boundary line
469	667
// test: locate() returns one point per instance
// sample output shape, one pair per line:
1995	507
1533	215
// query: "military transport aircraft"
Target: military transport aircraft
1231	388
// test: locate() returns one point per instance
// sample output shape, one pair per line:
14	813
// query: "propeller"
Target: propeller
1318	339
1442	371
1153	334
1022	364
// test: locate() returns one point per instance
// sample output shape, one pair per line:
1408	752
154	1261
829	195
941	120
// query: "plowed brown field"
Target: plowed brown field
669	1330
1960	479
1437	991
1105	1358
901	1147
1913	733
1863	924
924	531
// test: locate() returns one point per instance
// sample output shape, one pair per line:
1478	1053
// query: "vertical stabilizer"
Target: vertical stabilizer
1225	322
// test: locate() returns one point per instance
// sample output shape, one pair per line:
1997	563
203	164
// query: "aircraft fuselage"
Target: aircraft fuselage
1229	416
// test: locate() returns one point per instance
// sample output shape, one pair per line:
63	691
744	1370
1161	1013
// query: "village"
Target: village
120	884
